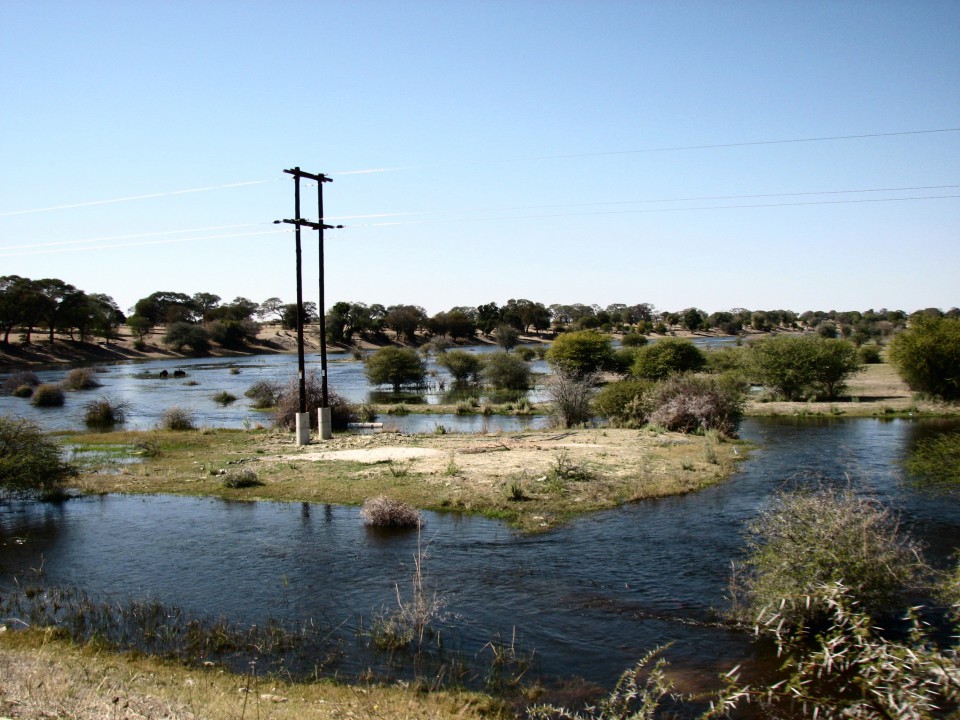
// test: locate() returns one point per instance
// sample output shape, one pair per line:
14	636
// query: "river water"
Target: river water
589	598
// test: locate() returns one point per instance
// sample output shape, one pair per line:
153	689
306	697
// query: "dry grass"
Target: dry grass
42	676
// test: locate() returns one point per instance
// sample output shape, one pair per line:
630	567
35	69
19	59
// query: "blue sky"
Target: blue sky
563	152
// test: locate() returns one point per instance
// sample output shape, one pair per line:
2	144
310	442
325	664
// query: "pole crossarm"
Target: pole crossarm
309	224
317	177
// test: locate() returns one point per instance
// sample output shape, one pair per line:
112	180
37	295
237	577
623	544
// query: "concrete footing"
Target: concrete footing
303	428
326	423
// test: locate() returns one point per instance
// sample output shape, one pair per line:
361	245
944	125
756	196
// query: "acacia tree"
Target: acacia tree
405	320
806	366
395	366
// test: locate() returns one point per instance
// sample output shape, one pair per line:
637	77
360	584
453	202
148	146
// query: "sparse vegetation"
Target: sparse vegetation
264	394
48	395
105	413
288	404
571	394
224	398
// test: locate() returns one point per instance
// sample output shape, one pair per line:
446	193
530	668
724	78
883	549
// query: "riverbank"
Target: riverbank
43	675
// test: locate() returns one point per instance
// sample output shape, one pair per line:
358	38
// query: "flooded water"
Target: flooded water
589	598
148	395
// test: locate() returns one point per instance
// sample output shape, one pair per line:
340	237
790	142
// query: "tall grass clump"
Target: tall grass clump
695	404
48	395
17	380
288	404
806	540
264	394
105	413
224	398
382	511
177	418
243	478
30	464
81	379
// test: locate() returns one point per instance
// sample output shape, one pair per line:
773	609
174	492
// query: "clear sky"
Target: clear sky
798	155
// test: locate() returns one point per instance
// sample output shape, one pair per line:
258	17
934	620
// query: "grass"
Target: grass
180	463
81	379
224	398
45	675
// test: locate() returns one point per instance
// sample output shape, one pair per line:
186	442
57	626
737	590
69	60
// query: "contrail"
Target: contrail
141	244
129	198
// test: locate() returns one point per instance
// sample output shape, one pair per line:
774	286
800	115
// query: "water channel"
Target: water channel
588	598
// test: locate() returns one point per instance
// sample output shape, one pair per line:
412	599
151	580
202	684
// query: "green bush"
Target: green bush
870	354
927	356
623	359
177	418
805	540
104	413
804	367
461	364
581	353
666	357
504	371
81	379
621	402
936	461
634	339
395	366
30	464
48	395
693	404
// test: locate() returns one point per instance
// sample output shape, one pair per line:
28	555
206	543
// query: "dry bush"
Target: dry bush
105	412
81	379
687	403
288	405
177	418
382	511
48	395
16	380
571	394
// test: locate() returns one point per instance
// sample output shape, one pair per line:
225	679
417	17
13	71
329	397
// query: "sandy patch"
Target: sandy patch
370	455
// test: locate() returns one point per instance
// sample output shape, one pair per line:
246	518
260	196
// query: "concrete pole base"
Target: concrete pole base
326	423
303	428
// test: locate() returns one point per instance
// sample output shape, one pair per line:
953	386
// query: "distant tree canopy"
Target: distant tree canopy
927	355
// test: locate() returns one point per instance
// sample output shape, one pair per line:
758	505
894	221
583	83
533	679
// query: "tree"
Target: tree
506	372
806	366
59	300
405	320
395	366
581	353
11	305
488	317
30	464
289	315
105	316
665	357
927	356
507	336
164	307
205	303
183	334
270	308
461	364
571	394
693	319
139	326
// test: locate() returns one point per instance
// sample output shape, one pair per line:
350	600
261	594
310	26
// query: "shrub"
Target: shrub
224	398
621	402
382	511
241	479
81	379
288	404
623	359
581	353
16	380
807	366
927	356
395	366
104	413
24	391
870	354
689	404
526	353
461	364
177	418
506	372
30	464
48	395
667	357
634	339
808	539
570	394
264	393
936	461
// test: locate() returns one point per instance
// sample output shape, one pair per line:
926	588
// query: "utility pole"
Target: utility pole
303	420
